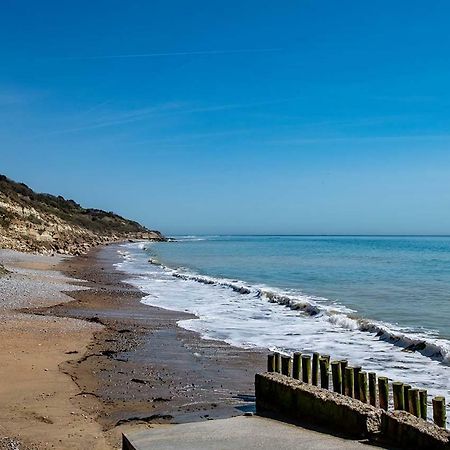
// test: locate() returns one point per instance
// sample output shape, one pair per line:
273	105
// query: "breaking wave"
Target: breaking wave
314	307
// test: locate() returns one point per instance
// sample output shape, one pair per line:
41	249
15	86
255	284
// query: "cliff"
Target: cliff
44	223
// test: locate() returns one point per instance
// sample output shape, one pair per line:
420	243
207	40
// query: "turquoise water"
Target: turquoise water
400	280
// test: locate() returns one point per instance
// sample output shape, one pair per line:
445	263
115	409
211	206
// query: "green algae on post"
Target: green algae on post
383	392
336	375
349	382
324	363
306	368
297	366
286	365
414	407
344	364
362	386
439	413
423	397
406	388
399	397
277	362
356	371
373	388
315	369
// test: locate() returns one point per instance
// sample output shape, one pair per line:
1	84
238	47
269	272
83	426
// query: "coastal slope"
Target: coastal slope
45	223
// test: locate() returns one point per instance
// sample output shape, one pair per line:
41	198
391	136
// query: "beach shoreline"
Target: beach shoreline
134	366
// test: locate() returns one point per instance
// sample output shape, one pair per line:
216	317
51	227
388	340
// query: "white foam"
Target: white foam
434	348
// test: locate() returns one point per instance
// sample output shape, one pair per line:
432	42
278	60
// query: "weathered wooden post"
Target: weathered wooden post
277	362
324	363
383	392
306	368
399	397
362	386
271	363
373	388
413	402
297	366
406	388
356	372
344	364
423	400
286	365
439	413
349	382
315	369
336	375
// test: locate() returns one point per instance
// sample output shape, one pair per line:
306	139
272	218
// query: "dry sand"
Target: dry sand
36	406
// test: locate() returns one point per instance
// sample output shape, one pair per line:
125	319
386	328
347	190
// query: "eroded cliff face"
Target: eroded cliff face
43	223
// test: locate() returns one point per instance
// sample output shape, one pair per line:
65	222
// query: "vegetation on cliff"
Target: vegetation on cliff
45	223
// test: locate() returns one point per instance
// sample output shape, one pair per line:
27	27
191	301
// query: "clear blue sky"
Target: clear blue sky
242	116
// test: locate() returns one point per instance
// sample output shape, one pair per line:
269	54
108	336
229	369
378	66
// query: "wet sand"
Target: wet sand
141	368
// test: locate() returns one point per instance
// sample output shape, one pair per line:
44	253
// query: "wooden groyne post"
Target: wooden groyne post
336	375
423	397
406	388
297	365
383	392
324	363
439	413
286	365
277	357
399	396
344	363
362	386
373	388
356	371
315	369
349	383
306	368
271	363
414	406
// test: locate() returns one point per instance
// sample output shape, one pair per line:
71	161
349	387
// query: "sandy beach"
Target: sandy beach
84	360
36	408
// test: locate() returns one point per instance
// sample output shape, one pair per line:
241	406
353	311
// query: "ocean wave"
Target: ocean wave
438	349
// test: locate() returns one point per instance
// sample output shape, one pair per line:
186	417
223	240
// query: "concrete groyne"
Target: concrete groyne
295	399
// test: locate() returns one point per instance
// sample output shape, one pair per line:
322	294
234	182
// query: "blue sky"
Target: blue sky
301	116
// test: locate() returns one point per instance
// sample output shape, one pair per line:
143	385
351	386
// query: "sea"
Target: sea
380	302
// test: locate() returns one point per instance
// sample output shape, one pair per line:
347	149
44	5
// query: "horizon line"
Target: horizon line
314	235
